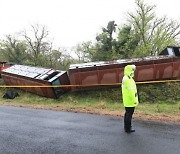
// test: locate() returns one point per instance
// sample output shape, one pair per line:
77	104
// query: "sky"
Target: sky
70	22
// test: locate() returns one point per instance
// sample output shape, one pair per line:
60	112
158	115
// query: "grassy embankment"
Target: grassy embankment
157	101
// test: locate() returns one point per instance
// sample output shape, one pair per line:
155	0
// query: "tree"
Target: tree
84	51
14	50
126	42
65	62
103	49
111	27
2	58
154	33
38	45
54	58
59	59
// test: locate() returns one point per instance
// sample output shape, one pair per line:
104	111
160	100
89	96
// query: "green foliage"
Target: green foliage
143	35
148	93
161	92
14	50
154	33
35	51
103	49
84	51
151	93
126	43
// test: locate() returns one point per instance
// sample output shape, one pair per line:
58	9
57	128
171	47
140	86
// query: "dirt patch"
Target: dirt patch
138	115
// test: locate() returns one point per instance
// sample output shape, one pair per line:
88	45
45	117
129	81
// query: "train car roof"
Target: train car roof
31	72
168	52
120	61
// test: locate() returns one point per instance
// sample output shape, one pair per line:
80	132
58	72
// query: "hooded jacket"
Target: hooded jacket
129	90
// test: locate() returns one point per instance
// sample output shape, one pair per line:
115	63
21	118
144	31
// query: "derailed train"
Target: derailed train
48	82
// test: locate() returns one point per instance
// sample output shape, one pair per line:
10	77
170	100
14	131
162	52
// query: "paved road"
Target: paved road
34	131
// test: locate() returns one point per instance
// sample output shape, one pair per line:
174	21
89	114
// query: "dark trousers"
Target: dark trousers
128	117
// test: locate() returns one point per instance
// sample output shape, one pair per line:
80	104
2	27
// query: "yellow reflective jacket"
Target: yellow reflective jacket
129	90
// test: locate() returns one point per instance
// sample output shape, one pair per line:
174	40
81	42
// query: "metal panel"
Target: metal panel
28	71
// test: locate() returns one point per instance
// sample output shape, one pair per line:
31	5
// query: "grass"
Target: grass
157	101
160	108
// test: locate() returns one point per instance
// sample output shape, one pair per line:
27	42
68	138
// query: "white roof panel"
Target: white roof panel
28	71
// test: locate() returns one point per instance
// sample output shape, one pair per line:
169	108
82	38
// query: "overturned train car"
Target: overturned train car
35	76
162	67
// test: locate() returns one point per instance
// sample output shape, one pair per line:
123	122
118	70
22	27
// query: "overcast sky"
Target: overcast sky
73	21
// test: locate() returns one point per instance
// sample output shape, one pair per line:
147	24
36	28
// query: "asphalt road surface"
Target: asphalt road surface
26	131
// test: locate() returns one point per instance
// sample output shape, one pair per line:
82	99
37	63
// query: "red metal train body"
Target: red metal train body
165	66
162	67
35	76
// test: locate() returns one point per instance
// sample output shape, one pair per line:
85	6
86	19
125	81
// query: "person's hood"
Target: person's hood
129	70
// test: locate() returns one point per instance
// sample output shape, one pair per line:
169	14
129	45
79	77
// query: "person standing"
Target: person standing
130	96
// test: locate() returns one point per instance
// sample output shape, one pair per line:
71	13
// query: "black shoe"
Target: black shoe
130	130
